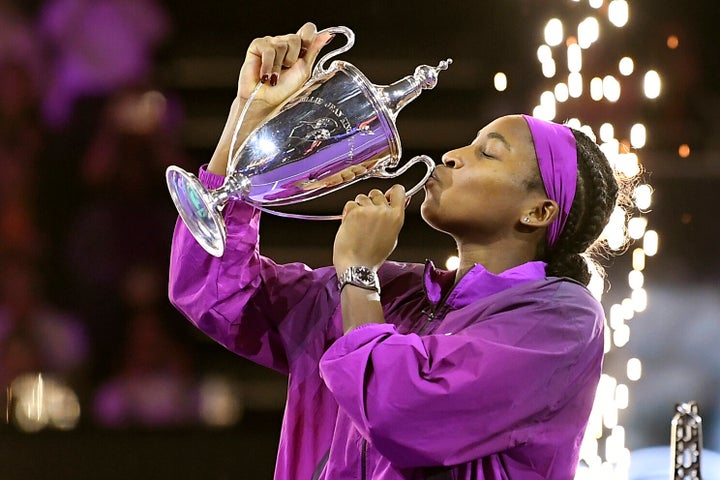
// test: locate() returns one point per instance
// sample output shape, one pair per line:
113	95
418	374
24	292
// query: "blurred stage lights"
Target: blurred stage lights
36	402
626	224
500	82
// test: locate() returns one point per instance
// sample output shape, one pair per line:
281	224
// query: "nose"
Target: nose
452	159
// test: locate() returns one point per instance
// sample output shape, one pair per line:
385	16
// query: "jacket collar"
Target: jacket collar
476	284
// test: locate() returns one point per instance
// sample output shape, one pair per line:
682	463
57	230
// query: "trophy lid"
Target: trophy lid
402	92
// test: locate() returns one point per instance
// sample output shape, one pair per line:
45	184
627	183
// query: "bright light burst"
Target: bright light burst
627	223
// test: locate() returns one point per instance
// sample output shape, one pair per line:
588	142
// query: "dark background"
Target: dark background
196	67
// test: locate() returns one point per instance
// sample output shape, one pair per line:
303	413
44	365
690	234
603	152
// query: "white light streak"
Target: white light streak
622	396
596	284
614	231
652	84
639	299
588	32
621	336
561	92
650	243
638	135
611	458
634	369
587	130
636	279
611	150
544	53
554	32
616	316
618	12
643	196
607	132
574	57
575	84
611	88
628	312
636	227
628	164
500	81
596	89
549	68
638	259
626	66
615	445
574	123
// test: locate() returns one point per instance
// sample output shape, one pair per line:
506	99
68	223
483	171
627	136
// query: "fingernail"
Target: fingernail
264	78
330	39
273	79
303	51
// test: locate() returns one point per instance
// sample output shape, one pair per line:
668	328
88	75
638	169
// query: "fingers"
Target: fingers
307	34
314	45
374	197
275	52
396	196
284	51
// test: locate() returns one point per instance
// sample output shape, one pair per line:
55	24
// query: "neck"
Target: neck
496	258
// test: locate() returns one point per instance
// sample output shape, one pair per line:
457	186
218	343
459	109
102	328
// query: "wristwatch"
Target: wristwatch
360	276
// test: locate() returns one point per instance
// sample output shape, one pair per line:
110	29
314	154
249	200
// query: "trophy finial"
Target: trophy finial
402	92
427	75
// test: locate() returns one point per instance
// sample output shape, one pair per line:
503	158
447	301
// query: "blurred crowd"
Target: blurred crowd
85	219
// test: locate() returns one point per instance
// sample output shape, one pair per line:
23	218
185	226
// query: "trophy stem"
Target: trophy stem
200	209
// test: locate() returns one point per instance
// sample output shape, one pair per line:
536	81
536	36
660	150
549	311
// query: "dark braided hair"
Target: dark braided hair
595	199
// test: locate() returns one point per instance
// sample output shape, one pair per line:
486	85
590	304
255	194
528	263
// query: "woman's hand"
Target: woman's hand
370	228
283	63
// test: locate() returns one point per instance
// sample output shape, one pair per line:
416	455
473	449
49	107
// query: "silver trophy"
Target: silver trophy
336	130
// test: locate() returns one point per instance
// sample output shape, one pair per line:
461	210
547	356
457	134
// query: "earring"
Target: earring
526	220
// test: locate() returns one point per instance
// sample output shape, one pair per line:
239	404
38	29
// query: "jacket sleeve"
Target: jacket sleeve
246	302
447	399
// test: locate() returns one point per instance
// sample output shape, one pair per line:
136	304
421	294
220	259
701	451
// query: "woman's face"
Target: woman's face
481	192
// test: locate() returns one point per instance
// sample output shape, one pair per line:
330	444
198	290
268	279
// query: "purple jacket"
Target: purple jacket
495	381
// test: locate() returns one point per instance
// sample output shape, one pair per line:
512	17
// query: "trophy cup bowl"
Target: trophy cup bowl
336	130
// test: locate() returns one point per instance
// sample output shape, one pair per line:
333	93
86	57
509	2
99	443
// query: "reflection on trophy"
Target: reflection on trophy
336	130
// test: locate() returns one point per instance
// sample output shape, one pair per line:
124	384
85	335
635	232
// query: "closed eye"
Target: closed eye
483	153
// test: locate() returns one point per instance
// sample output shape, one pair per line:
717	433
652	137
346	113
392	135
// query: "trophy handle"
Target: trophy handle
380	173
429	163
320	66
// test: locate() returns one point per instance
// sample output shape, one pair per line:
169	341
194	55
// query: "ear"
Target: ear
541	214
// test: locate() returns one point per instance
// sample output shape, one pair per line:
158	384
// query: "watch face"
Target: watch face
365	275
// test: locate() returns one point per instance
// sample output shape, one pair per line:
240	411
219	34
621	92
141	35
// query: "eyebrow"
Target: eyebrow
498	136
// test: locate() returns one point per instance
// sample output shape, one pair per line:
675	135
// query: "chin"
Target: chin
430	215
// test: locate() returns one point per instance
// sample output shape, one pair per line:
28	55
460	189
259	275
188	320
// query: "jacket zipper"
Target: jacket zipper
363	460
432	315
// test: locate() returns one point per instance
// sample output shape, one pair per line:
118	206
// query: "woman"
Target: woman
406	371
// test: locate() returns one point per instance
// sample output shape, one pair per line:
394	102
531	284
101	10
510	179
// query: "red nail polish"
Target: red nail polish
302	53
273	79
264	79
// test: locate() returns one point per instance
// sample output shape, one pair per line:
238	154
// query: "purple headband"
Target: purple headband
556	152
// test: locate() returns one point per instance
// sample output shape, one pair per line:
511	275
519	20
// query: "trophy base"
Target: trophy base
197	209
